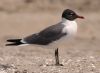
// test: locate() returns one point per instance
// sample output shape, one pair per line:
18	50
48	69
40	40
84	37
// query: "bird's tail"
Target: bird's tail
14	42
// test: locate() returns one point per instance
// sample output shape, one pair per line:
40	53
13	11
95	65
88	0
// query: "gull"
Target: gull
64	29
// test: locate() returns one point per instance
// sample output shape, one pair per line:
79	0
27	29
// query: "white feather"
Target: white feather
70	27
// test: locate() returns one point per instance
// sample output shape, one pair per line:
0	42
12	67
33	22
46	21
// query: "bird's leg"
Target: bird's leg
57	58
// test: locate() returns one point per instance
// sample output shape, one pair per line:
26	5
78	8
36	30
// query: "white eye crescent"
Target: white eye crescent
71	13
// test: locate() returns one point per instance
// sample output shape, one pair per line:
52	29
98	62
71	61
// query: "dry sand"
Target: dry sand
80	55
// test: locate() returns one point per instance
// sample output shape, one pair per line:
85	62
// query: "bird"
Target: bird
67	27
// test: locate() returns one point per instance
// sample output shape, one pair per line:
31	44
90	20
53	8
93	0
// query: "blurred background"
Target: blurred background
48	5
23	15
19	18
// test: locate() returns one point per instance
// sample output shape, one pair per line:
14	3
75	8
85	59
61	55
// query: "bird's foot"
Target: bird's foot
59	65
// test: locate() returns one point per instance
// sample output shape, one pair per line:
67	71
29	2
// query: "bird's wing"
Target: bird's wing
46	36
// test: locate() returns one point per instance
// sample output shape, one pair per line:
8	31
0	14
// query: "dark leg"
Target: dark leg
57	58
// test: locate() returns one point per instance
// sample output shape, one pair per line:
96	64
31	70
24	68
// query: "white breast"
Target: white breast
70	27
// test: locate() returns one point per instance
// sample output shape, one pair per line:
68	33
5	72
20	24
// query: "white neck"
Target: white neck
65	21
70	26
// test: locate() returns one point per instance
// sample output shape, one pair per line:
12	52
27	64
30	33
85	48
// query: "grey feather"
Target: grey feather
46	36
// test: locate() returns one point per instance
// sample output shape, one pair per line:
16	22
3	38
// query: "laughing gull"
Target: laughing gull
67	27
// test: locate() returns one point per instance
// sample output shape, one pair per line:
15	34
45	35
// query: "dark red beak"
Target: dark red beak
81	17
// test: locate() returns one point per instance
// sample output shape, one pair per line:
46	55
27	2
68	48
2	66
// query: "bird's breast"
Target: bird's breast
70	28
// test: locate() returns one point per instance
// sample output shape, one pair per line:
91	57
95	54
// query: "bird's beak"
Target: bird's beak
81	17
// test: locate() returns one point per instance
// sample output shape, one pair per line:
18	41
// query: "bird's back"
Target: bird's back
47	35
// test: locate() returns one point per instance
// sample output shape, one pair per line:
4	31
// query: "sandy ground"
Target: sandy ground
80	55
19	18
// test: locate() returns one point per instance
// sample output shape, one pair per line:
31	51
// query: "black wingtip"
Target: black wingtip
10	45
14	42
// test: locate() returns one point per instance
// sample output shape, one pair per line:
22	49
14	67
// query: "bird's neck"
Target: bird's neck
70	26
67	22
64	20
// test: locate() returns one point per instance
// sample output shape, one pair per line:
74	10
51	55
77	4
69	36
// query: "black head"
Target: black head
70	15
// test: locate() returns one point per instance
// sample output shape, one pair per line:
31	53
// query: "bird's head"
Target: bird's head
70	15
